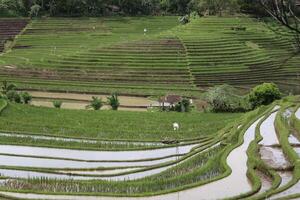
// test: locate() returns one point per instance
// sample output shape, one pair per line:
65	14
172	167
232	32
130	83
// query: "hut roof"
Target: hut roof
172	99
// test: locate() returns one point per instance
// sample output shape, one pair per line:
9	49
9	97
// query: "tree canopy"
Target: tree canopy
122	7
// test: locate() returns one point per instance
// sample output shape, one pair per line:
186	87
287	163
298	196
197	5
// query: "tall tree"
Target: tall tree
284	12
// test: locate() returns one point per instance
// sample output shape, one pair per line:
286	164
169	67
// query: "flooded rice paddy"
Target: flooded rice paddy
297	114
274	157
66	164
90	141
235	184
268	132
96	155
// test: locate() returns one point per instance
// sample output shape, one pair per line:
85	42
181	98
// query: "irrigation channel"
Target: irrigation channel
235	184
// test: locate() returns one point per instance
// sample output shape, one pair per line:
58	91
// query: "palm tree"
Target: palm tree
6	87
113	101
96	103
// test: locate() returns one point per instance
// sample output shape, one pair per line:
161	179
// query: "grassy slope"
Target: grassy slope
111	125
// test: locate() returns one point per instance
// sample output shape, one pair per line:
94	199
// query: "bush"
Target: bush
183	106
225	98
96	103
13	96
264	94
26	97
184	19
34	10
113	101
6	87
57	104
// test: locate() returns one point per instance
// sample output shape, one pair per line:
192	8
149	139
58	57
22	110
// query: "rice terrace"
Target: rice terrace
149	99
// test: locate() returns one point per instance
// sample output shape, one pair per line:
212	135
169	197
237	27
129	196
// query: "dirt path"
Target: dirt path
79	105
124	100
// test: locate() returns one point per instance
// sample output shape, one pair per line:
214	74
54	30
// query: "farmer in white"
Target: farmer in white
175	126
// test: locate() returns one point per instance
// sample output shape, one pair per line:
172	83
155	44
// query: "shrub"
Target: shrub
264	94
13	96
57	104
34	10
183	106
26	97
6	87
184	19
96	103
113	101
17	98
225	98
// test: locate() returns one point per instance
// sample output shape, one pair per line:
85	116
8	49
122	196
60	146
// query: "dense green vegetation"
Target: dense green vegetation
111	125
119	7
264	94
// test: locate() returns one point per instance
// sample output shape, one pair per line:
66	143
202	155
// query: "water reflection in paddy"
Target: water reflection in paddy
235	184
95	155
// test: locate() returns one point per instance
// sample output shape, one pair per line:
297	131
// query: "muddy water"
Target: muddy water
298	113
274	157
293	140
95	155
124	100
286	176
267	131
64	164
266	182
235	184
295	189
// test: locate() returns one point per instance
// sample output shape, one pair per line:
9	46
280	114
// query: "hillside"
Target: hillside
115	55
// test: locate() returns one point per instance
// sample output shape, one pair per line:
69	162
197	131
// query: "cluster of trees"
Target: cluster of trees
224	98
9	92
123	7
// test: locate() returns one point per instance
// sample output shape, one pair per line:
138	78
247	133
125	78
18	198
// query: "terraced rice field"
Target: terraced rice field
220	54
254	155
107	55
9	28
